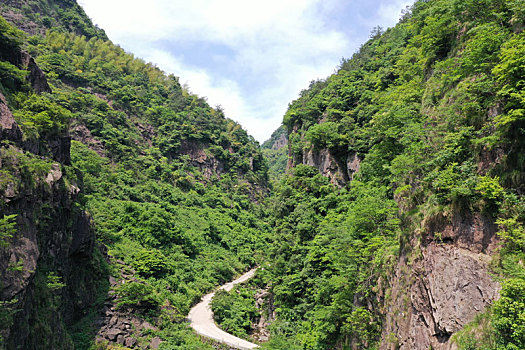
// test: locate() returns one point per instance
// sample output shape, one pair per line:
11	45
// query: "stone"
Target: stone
155	343
113	333
281	142
54	175
36	76
147	326
130	342
445	287
9	129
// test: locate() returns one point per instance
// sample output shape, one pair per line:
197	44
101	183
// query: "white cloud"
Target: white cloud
223	92
390	11
276	47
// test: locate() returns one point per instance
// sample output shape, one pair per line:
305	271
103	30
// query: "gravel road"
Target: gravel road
201	319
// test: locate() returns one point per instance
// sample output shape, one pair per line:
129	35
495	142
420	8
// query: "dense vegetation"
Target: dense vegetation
276	153
434	109
171	184
36	17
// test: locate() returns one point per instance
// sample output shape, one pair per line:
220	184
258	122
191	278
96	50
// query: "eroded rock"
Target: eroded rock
436	292
9	129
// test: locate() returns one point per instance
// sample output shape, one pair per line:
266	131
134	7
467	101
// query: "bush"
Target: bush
137	295
509	315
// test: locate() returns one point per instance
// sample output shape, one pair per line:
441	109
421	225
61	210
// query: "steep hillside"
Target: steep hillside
101	146
402	214
399	223
275	151
37	16
50	271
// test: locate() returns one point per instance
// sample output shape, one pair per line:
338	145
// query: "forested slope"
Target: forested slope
399	223
401	215
115	173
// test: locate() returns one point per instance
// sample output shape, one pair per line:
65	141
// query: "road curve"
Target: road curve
201	318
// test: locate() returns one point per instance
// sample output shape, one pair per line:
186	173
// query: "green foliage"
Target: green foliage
7	229
151	263
490	188
65	15
41	117
276	157
10	37
174	187
171	183
427	106
11	77
54	282
137	295
7	311
329	247
361	324
477	335
513	233
323	135
509	315
235	311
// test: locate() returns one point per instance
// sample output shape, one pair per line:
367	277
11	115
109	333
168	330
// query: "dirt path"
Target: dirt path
201	318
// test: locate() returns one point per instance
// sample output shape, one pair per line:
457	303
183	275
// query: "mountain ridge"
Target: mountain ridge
387	214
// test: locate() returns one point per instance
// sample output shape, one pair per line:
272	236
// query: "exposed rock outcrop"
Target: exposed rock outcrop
9	129
266	308
36	77
202	159
82	134
122	326
443	286
46	273
339	169
281	142
46	264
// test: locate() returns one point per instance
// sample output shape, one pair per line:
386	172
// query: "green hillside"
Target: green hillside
433	109
170	183
387	212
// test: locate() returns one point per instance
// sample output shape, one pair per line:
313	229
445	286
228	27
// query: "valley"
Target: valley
387	211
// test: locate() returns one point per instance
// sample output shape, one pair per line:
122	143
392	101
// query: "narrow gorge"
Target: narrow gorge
387	211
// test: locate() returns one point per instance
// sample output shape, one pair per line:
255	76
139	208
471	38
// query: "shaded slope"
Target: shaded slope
405	163
170	183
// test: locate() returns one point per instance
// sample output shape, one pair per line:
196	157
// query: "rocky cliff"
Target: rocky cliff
419	114
48	276
441	282
339	169
163	175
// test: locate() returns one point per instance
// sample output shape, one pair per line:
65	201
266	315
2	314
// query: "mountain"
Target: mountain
387	212
124	196
399	224
275	151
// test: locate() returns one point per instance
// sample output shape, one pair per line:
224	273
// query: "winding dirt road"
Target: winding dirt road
201	318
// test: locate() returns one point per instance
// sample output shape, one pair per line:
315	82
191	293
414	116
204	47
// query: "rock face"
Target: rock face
53	238
9	130
339	169
205	162
435	293
82	134
123	326
265	306
281	142
36	77
46	270
339	172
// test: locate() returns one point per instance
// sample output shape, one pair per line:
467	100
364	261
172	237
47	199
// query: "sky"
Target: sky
251	57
